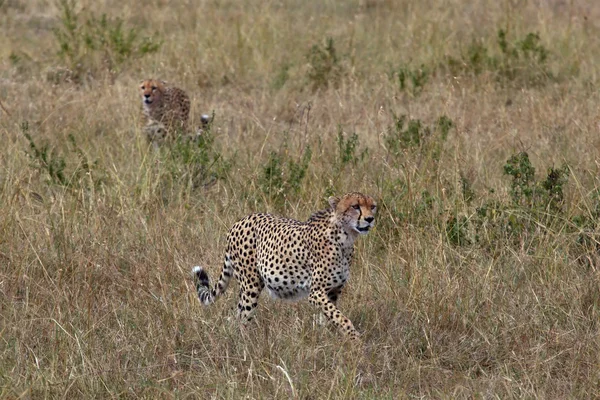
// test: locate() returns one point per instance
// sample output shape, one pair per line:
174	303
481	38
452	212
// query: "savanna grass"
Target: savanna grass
460	291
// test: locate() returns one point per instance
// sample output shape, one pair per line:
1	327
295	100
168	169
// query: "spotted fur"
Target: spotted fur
166	109
293	259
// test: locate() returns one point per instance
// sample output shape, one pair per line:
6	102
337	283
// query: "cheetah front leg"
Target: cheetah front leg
321	299
333	295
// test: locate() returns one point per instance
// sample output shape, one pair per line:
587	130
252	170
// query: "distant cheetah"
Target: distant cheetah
166	108
294	259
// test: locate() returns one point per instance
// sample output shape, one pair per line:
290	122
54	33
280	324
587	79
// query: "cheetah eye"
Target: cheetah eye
143	88
153	87
373	207
356	207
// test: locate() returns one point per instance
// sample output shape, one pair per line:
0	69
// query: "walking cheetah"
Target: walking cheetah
293	259
166	108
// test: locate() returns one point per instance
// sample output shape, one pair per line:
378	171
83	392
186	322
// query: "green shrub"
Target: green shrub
348	149
283	175
192	163
325	66
88	46
535	205
402	135
406	134
411	80
456	231
59	169
523	62
527	192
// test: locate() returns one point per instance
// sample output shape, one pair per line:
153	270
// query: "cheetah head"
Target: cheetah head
152	91
355	211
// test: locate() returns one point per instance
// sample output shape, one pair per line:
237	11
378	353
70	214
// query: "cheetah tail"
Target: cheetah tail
205	294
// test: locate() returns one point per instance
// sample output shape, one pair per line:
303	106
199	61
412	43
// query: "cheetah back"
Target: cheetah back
281	253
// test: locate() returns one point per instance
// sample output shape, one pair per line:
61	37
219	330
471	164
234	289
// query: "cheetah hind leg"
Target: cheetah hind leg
250	288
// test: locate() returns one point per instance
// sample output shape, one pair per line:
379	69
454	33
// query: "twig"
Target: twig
4	108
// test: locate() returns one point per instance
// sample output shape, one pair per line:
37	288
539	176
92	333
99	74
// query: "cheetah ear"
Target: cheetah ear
163	82
333	202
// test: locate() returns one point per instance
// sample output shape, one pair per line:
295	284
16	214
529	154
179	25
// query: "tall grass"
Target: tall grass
474	125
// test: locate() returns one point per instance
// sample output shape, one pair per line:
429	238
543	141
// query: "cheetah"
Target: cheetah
166	108
293	259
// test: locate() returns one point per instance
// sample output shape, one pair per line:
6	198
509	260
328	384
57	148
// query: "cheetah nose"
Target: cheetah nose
369	219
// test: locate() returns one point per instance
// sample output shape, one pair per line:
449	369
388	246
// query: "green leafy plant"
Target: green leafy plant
283	175
325	68
88	45
425	203
522	185
585	225
411	80
521	61
456	231
468	194
527	192
271	179
195	162
81	174
534	204
406	134
443	124
348	149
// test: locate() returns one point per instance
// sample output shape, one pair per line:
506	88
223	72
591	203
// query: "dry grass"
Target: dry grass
96	297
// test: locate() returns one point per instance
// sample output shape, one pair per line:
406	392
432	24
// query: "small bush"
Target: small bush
522	61
535	205
348	149
526	192
443	125
519	168
283	175
456	231
425	203
411	80
405	134
82	174
325	66
468	194
194	162
96	45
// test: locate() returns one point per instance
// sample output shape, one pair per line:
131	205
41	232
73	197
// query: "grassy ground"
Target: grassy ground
480	280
